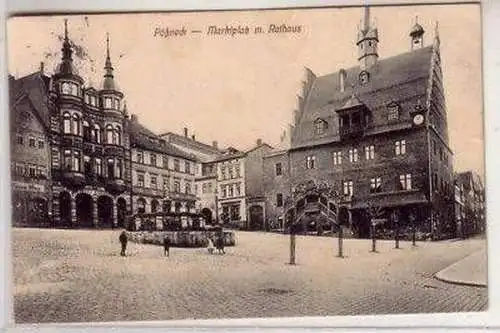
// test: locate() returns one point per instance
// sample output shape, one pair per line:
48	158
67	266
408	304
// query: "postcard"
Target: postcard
264	163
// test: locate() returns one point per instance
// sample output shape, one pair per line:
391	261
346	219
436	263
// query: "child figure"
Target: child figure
210	246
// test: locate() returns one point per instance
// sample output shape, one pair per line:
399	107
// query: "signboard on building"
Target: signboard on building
29	187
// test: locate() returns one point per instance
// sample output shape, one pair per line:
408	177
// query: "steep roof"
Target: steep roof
35	87
402	78
143	138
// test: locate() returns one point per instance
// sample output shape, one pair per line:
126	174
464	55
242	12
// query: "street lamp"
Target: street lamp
395	219
216	204
411	217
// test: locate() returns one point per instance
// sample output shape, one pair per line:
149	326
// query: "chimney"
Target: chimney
259	142
214	144
185	132
342	77
193	137
42	65
133	117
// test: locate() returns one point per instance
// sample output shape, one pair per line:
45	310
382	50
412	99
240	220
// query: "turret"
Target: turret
111	97
417	35
367	42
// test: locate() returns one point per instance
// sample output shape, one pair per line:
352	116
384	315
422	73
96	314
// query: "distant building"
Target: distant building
205	169
376	134
469	204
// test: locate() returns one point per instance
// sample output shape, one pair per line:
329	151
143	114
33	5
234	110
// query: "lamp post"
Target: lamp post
374	239
292	244
395	219
343	219
216	204
413	226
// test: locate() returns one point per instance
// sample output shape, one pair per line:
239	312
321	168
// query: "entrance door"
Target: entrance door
121	212
84	208
65	209
105	211
256	218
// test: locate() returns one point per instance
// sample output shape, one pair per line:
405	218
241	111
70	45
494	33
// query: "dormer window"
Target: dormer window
364	77
393	110
320	126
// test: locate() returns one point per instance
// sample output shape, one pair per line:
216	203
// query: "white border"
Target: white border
491	73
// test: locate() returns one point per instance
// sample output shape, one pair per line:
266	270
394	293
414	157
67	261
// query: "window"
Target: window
363	77
405	181
19	169
140	179
76	161
204	188
278	169
392	111
187	187
165	162
166	183
98	166
32	171
140	157
86	130
441	153
279	200
67	160
238	189
230	190
20	140
177	186
119	168
66	88
223	171
353	155
370	152
76	124
337	157
111	168
118	136
348	188
311	162
434	180
67	123
74	89
32	142
153	182
152	159
93	101
87	166
400	147
375	185
177	165
187	167
107	102
109	134
96	134
237	169
230	171
320	125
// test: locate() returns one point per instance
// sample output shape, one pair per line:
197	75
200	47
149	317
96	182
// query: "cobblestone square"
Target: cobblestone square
78	276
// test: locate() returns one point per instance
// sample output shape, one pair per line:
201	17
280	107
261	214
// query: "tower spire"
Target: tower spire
109	82
366	19
66	66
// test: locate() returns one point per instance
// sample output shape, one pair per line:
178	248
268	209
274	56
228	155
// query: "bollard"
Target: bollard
397	236
341	242
374	240
292	248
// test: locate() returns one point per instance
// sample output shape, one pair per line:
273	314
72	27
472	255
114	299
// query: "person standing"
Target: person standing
166	246
123	240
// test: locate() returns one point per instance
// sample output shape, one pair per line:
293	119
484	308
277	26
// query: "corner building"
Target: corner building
377	133
78	161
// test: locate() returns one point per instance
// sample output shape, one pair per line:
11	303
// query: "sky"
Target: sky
237	89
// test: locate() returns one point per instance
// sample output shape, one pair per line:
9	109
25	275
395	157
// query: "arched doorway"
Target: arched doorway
84	208
39	213
154	205
105	211
141	206
121	212
65	209
256	218
207	213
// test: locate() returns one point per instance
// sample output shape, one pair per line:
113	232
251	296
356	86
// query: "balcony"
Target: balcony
352	131
73	178
115	185
114	150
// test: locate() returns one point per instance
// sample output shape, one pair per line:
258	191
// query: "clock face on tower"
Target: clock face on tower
418	119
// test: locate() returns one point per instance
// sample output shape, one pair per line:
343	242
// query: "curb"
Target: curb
460	283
